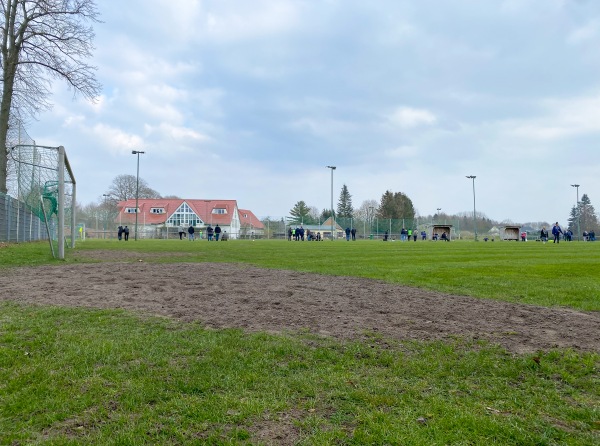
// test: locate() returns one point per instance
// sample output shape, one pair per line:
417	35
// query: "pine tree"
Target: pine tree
588	219
344	207
300	214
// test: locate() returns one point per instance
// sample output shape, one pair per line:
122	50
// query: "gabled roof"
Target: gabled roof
247	218
327	224
202	208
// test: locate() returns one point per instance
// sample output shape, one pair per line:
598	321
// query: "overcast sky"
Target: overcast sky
251	100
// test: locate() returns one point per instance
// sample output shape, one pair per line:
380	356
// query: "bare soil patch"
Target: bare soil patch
255	299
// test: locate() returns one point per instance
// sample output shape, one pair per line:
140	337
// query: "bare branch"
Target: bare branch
43	40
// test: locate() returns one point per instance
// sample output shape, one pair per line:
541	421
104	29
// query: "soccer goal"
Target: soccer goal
46	185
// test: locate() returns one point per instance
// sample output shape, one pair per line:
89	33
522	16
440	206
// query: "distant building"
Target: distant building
250	225
157	215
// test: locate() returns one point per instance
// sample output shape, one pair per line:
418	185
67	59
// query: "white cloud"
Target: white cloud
117	141
564	118
407	117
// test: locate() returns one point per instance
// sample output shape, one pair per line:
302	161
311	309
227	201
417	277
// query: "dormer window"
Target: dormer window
219	211
130	210
157	210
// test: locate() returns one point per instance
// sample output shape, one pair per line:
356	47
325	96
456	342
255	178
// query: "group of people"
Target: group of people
407	234
300	234
123	232
443	237
350	233
211	233
567	234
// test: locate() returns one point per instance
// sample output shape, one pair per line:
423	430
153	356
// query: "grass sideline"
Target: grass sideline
76	376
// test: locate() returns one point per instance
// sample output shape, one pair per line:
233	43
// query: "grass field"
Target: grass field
73	376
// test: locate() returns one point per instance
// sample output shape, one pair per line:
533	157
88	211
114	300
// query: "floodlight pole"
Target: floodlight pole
332	169
474	212
578	212
105	214
137	189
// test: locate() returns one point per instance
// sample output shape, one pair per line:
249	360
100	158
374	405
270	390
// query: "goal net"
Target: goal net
45	184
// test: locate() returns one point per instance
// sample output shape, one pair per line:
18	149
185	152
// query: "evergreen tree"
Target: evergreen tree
344	207
398	207
300	214
588	219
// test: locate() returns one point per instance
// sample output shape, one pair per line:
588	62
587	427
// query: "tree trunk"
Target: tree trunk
5	106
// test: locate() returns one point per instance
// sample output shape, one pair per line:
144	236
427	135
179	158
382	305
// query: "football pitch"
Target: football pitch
276	342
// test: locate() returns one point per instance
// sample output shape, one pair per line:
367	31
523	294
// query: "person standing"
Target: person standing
217	232
126	233
544	235
120	232
181	231
414	235
191	233
347	234
209	233
353	232
556	231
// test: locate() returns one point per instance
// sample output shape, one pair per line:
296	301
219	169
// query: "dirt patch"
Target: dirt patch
256	299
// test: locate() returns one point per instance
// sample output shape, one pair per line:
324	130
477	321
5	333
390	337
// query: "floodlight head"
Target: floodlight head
575	185
331	167
471	176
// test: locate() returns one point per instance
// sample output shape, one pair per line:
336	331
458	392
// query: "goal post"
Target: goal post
45	177
64	166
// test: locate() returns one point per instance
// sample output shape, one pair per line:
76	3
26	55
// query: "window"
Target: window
219	211
157	210
130	210
184	216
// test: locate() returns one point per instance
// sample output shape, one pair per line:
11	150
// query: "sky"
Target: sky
251	100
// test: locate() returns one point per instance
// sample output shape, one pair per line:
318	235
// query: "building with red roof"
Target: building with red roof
157	215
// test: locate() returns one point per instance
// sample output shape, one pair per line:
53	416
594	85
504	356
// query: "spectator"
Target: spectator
556	231
217	232
544	235
191	233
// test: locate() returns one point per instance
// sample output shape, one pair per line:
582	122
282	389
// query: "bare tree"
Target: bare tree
43	40
366	209
123	188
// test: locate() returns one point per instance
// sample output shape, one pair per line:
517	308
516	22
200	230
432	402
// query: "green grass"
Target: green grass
104	377
75	376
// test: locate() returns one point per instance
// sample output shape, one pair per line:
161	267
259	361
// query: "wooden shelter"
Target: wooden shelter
511	233
439	230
